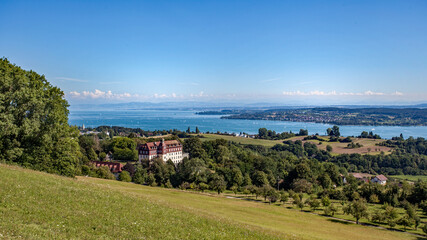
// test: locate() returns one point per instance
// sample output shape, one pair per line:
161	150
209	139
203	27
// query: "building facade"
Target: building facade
115	167
381	179
162	149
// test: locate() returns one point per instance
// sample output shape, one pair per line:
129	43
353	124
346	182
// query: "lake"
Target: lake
181	120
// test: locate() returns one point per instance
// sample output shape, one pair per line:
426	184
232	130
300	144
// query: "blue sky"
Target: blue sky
292	52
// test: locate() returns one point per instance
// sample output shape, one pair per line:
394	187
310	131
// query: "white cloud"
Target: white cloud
334	93
75	94
98	94
370	93
160	95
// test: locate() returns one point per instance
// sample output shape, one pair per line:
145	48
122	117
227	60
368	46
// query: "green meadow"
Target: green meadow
412	178
369	145
241	140
35	205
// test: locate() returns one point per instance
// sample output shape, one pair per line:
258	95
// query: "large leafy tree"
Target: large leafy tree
218	183
124	149
34	128
193	146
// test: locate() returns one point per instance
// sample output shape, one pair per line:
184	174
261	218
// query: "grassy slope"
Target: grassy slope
412	178
241	140
38	205
369	146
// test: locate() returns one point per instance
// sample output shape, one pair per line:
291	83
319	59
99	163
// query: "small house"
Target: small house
381	179
364	177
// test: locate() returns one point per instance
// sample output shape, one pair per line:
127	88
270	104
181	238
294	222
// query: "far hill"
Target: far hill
342	116
36	205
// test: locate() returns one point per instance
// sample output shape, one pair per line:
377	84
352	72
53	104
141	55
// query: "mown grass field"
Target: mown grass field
369	145
36	205
241	140
411	178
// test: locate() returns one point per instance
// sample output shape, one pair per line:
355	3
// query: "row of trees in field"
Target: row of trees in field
264	133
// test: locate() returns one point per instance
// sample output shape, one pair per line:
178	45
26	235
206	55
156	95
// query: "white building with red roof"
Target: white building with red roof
365	177
381	179
162	149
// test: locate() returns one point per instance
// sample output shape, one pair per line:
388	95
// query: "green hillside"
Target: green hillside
36	205
241	140
412	178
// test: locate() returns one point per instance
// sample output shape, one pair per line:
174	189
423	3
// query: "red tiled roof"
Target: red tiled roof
381	177
159	143
361	175
113	166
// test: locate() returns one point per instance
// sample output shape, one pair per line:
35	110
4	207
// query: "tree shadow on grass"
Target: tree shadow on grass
339	221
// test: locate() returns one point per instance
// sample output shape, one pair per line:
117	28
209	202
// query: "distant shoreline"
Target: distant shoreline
403	117
181	120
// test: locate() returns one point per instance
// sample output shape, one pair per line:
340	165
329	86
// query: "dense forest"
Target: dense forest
342	116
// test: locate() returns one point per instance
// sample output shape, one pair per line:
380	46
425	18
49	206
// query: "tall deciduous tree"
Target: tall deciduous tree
124	149
218	183
336	131
34	128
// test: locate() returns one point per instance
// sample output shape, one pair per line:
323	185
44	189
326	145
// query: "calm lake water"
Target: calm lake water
181	120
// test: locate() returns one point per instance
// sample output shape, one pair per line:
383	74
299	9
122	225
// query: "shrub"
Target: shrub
302	185
203	187
314	203
104	172
284	197
168	184
325	201
151	180
330	210
234	189
273	196
184	186
124	176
